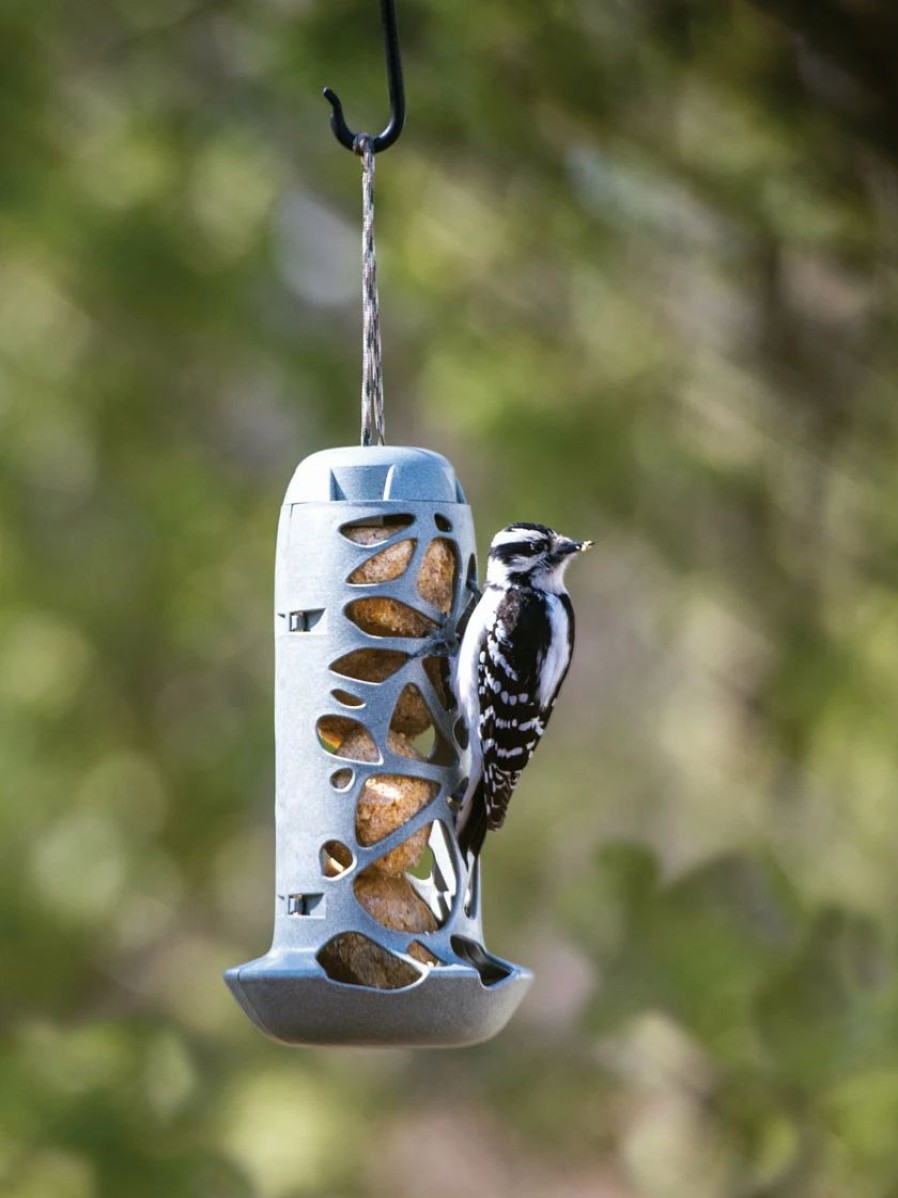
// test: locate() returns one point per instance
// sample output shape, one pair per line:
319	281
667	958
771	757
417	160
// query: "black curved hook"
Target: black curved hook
382	141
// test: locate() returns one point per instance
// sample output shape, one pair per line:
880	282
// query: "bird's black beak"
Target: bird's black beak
567	546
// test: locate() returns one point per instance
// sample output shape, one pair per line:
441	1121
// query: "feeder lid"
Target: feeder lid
374	474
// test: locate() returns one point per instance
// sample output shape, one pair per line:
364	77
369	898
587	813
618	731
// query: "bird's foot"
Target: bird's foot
442	643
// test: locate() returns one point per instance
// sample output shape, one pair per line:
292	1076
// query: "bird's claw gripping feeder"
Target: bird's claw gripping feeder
377	932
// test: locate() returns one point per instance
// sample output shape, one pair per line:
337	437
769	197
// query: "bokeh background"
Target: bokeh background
639	275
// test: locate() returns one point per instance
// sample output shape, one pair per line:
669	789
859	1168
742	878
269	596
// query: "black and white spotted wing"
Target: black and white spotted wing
515	709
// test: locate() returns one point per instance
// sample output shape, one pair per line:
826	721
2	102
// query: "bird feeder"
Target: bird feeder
377	932
377	927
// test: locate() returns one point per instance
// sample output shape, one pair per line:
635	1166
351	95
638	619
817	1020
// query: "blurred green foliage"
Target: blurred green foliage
639	274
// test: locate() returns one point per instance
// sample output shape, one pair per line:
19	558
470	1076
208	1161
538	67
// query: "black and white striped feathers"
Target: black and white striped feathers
514	656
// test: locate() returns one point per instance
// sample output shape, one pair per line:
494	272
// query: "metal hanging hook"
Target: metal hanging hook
384	140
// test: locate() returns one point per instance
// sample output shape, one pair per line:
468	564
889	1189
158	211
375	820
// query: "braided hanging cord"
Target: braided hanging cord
372	363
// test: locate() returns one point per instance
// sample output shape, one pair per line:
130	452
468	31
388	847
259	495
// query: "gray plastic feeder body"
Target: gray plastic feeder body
468	995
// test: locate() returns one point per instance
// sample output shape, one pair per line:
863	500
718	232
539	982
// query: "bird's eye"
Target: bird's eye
531	548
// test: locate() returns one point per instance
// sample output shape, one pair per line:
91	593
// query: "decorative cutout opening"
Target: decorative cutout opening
336	858
344	737
388	617
416	727
437	575
370	665
347	699
355	960
306	904
490	968
411	715
386	803
422	954
375	529
390	563
442	523
342	779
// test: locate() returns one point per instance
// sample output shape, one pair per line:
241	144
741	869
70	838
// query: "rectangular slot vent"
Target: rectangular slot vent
305	621
306	904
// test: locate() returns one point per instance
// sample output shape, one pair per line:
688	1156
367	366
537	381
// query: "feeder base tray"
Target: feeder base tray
288	998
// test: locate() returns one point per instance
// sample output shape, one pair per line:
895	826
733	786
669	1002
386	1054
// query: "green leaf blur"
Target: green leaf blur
639	280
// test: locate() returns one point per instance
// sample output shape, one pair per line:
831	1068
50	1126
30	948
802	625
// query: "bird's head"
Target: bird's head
531	555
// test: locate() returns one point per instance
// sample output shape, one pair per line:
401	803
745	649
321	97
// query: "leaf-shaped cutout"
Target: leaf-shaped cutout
340	735
336	858
390	563
347	699
375	529
370	665
386	803
382	616
411	715
417	730
443	523
423	954
393	901
342	779
438	572
355	960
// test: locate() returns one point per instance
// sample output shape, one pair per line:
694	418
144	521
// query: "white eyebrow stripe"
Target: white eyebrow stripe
517	536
